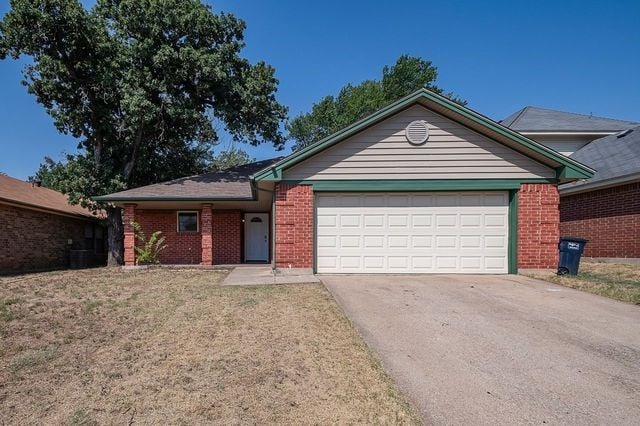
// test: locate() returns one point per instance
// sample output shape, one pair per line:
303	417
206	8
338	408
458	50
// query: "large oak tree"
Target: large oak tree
142	85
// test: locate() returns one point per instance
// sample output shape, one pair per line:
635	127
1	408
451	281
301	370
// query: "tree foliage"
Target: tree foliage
140	84
232	157
354	102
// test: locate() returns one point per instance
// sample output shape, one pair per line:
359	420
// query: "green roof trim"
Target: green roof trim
403	185
571	168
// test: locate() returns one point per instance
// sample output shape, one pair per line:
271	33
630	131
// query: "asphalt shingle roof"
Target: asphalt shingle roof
232	183
545	120
21	192
612	156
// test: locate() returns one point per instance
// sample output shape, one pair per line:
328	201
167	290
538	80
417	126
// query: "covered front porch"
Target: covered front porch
221	233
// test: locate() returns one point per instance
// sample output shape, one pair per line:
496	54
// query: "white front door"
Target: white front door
256	237
429	232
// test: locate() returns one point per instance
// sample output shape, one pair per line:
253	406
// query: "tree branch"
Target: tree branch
128	168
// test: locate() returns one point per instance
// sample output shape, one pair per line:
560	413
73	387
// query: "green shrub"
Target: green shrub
148	252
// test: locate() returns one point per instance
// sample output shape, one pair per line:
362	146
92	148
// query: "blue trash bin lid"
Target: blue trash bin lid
574	239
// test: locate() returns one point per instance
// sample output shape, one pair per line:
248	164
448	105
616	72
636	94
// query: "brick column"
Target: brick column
128	216
206	231
294	226
538	226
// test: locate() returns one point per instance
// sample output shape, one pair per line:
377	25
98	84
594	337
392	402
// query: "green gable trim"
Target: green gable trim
416	185
275	171
569	172
513	232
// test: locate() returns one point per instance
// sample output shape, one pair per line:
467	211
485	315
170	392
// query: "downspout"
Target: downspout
273	221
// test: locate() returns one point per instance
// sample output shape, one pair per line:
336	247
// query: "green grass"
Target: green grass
6	314
81	418
34	358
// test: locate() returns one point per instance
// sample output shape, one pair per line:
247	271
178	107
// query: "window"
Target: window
187	221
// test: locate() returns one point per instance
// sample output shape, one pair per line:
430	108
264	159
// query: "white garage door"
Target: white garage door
462	232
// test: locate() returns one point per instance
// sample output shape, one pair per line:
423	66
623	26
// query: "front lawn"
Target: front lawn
173	346
615	280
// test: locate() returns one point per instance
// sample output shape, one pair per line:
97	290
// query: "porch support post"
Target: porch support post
206	231
128	216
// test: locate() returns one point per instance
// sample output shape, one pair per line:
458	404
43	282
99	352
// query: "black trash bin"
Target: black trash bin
571	248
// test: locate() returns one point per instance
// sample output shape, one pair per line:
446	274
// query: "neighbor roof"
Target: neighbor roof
534	119
614	156
566	168
17	191
230	184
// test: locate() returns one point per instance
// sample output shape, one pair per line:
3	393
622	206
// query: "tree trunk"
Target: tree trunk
115	235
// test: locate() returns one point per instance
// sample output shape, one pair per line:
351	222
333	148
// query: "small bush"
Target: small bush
149	251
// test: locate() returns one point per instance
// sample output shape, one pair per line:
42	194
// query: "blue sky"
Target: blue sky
578	56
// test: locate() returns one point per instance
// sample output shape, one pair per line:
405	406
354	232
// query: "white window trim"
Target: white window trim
178	221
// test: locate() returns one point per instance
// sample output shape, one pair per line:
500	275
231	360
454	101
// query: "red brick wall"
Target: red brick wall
538	226
227	236
185	248
294	226
609	218
31	240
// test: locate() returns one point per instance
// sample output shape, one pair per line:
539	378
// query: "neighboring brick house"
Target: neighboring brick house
38	228
422	186
606	208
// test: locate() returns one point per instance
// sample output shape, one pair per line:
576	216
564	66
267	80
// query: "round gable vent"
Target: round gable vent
417	132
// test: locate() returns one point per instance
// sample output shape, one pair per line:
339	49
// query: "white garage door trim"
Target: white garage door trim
399	233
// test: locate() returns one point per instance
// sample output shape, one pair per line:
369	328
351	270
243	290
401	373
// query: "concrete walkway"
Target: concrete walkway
263	275
500	349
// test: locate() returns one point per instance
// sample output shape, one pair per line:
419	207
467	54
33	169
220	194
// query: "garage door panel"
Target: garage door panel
327	220
329	241
495	220
470	241
412	233
446	220
374	221
398	221
421	241
350	241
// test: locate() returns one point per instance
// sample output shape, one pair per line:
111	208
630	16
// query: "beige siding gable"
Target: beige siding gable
453	151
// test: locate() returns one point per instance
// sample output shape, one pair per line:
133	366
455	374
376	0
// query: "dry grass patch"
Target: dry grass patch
614	280
172	346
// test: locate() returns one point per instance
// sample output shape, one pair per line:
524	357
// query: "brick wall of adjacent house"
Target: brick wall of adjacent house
32	240
538	226
294	226
609	218
218	240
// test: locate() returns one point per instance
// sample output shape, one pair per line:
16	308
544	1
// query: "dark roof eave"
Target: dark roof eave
109	198
49	209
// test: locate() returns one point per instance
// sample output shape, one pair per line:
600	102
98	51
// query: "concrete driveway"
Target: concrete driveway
500	349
